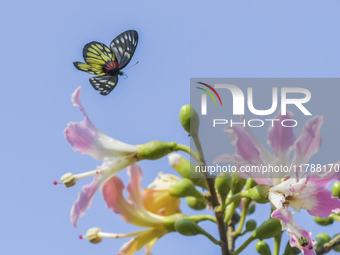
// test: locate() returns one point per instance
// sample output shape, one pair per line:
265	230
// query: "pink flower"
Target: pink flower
87	139
299	191
299	237
133	211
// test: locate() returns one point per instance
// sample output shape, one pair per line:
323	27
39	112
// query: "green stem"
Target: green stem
181	147
243	216
277	243
211	238
244	245
214	200
202	217
334	217
238	196
230	213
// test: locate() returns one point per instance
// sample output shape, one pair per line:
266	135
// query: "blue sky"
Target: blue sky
178	40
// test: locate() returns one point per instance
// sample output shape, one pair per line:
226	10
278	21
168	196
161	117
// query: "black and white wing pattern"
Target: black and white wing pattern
124	46
105	84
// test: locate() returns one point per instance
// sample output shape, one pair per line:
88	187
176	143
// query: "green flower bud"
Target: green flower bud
223	184
184	188
237	183
251	225
189	119
336	189
251	209
262	248
250	183
321	239
155	150
289	250
323	221
187	227
196	203
268	229
259	193
186	169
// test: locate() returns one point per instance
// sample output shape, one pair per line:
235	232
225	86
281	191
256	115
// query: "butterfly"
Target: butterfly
107	63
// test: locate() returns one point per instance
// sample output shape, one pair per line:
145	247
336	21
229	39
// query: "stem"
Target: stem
277	243
202	217
230	213
334	217
219	214
238	196
244	245
211	238
329	245
181	147
243	216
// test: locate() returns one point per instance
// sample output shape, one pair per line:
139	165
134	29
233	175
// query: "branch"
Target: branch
329	245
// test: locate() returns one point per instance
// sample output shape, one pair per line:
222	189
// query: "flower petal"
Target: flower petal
321	204
84	201
134	187
309	141
87	139
281	138
245	147
137	243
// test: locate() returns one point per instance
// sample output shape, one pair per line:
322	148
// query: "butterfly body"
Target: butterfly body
107	63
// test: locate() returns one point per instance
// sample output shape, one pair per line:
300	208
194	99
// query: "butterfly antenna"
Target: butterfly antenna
132	65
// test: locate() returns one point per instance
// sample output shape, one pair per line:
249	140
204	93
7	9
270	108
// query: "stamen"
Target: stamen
70	179
303	241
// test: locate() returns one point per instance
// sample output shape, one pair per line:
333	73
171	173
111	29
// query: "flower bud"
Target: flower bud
262	248
223	184
92	235
321	239
336	189
289	250
251	225
251	209
196	203
184	188
323	221
68	179
268	229
155	150
237	183
186	169
187	227
250	183
189	119
259	193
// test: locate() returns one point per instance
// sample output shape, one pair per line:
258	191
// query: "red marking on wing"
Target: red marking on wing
110	66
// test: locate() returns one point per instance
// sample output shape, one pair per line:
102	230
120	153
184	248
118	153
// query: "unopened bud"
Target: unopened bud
155	150
321	239
251	225
184	188
196	203
323	221
262	248
187	227
92	235
223	184
336	189
259	193
289	250
268	229
250	183
251	209
189	119
68	179
237	183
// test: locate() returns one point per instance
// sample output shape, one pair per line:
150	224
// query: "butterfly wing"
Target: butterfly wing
87	68
105	84
124	46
